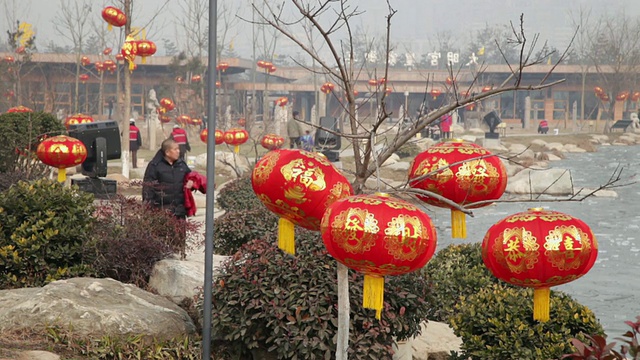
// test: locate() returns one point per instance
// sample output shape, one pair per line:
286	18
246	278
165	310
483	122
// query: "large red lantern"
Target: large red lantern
539	249
236	137
62	152
462	172
203	135
19	109
146	48
298	186
114	17
219	135
272	141
167	104
130	50
379	236
282	102
77	119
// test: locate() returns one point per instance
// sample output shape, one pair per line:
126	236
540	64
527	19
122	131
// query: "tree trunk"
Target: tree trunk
343	313
127	101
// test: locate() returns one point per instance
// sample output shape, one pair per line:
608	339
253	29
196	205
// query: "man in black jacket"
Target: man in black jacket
163	181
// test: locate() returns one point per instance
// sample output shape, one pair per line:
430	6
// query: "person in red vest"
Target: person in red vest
135	141
543	127
180	136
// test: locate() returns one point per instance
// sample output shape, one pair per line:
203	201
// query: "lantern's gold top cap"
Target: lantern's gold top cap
382	194
536	209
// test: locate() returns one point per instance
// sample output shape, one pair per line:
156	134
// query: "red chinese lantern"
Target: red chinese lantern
219	135
271	69
9	59
110	66
62	152
195	121
298	186
261	64
382	81
635	96
167	104
272	141
77	119
203	135
119	57
282	102
85	61
179	79
236	137
196	78
464	93
449	80
242	122
598	90
114	17
218	84
470	107
146	48
183	119
604	97
327	87
9	94
373	82
107	51
266	65
99	67
21	50
622	96
19	109
388	91
83	77
379	236
539	249
355	93
462	172
435	93
130	50
165	119
487	88
223	66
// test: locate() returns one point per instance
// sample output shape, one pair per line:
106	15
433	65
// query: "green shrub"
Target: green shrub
497	323
238	195
408	150
43	227
236	228
129	237
266	299
20	134
455	271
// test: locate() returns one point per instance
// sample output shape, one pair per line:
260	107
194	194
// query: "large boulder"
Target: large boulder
93	307
435	342
226	162
554	181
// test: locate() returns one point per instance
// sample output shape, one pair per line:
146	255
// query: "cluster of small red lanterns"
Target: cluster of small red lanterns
622	96
266	66
222	67
327	87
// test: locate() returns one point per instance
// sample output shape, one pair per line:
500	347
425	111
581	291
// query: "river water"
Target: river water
612	288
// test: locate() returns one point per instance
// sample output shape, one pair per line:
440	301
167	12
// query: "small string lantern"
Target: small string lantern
236	137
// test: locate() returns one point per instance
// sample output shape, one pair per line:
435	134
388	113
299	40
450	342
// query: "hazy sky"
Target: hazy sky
415	22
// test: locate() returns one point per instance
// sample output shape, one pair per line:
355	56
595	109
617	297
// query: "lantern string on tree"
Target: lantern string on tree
114	17
378	236
130	50
539	248
298	186
236	137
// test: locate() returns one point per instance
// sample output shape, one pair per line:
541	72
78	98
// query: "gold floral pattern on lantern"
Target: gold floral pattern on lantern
567	247
402	235
518	251
478	176
345	226
370	267
263	169
306	173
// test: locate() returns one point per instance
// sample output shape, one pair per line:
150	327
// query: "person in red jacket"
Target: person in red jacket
135	142
180	136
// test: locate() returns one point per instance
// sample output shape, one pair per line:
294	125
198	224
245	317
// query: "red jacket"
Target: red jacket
180	136
200	184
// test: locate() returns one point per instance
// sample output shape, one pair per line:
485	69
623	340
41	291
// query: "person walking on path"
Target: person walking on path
135	142
294	131
307	141
163	182
180	136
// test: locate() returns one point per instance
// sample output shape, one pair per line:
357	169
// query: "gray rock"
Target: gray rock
554	181
93	307
37	355
435	342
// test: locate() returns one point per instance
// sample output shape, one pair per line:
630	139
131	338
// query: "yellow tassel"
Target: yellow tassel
236	149
62	175
132	65
144	59
286	234
109	27
373	296
541	304
458	225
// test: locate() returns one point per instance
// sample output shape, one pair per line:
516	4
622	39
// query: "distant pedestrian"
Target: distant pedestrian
110	107
307	141
180	136
543	127
294	131
445	125
135	141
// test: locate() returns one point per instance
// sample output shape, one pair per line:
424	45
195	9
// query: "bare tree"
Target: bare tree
614	51
71	23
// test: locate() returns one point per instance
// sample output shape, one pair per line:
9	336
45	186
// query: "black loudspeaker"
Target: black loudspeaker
325	140
492	120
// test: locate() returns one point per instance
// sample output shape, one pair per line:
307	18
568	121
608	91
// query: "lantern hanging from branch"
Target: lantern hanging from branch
62	152
130	50
271	69
77	119
203	135
449	80
435	93
327	87
218	84
379	236
85	61
622	96
110	66
298	186
114	17
146	48
236	137
487	88
388	91
83	77
165	119
107	51
462	172
219	136
19	109
167	104
539	248
373	82
183	120
119	57
598	91
222	67
196	78
635	96
9	59
261	64
99	67
196	121
272	141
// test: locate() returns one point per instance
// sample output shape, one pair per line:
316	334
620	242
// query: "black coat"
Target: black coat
163	184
